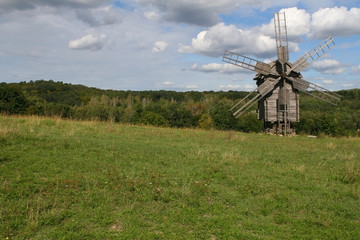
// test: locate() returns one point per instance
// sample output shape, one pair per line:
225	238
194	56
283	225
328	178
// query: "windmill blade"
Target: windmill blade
281	37
323	94
262	90
313	55
246	106
246	62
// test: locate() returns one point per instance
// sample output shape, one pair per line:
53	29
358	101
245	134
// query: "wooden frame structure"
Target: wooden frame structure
279	82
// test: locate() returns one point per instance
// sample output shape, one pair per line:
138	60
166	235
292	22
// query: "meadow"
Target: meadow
63	179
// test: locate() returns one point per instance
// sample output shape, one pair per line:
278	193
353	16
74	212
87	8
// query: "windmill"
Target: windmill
279	82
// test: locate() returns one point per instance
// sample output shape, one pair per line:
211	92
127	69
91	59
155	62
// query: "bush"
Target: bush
248	122
154	119
205	121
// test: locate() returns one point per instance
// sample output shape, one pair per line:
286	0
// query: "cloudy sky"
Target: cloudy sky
171	44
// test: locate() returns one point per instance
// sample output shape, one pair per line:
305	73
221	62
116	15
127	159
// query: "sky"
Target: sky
172	44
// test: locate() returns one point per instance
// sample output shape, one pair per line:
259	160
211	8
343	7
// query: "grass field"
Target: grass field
89	180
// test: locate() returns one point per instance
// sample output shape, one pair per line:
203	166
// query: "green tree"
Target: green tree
248	122
205	121
12	100
154	119
222	117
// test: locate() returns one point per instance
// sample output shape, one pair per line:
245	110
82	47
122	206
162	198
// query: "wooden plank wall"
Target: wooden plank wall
267	107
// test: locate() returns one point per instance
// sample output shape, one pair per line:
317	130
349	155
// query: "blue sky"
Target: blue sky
171	44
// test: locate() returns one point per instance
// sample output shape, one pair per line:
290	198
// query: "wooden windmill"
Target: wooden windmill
279	82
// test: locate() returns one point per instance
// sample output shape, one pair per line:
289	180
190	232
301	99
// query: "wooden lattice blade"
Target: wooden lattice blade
313	55
262	90
321	93
281	37
246	62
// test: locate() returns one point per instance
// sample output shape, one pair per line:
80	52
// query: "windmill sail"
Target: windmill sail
322	93
313	54
262	90
246	62
281	37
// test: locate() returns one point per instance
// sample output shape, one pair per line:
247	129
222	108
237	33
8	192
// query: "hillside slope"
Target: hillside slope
64	179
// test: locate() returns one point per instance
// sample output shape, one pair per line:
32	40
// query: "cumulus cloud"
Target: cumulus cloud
337	21
297	24
159	46
328	66
217	67
257	41
88	42
220	37
260	42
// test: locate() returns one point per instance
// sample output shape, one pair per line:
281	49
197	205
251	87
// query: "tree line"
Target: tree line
206	110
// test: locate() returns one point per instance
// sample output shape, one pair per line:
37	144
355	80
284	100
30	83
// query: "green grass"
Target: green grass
88	180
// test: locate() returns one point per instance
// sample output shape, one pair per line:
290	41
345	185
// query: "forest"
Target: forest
205	110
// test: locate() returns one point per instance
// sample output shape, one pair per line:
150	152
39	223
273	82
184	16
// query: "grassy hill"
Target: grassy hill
62	179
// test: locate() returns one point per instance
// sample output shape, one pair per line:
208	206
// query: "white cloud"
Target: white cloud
255	41
249	87
238	87
259	41
153	16
191	87
328	66
220	37
217	67
48	27
88	42
229	87
159	46
168	83
337	21
348	85
329	81
297	24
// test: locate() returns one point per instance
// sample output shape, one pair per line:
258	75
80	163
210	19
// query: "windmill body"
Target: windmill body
279	82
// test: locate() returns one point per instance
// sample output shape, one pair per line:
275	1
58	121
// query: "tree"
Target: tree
205	121
12	100
248	122
154	119
222	117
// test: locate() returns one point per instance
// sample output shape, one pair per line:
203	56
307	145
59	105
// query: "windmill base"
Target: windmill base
279	128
